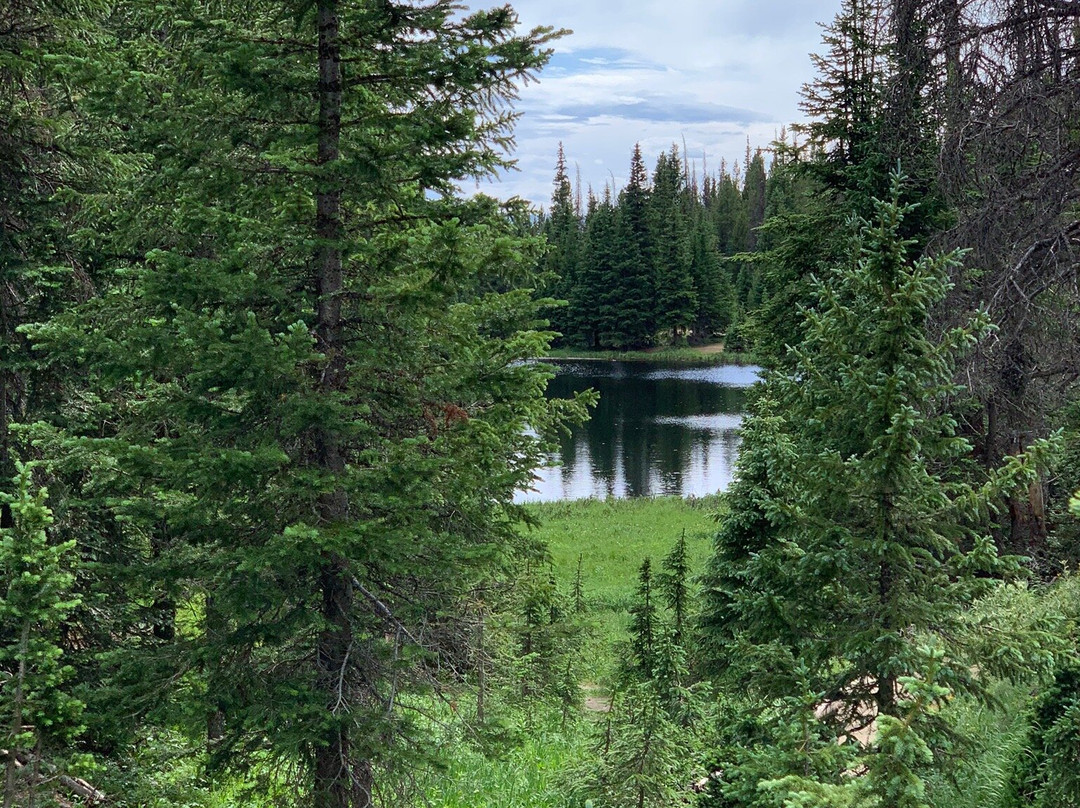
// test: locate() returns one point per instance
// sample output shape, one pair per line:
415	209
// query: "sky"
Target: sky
710	73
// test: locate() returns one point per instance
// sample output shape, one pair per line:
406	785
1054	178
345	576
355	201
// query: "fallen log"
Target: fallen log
76	785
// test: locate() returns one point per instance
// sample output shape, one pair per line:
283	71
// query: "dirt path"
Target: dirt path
596	701
709	350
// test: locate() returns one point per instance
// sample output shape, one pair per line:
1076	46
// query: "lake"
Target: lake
659	428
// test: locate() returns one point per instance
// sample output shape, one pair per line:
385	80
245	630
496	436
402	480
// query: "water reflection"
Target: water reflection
658	429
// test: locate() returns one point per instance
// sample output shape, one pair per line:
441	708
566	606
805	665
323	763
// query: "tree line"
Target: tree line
656	262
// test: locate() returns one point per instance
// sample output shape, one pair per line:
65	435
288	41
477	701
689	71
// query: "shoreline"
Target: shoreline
713	354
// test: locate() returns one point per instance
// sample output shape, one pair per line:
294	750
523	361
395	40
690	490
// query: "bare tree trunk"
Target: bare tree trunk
215	718
952	166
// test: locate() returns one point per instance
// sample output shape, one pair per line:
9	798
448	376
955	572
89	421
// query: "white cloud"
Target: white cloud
657	72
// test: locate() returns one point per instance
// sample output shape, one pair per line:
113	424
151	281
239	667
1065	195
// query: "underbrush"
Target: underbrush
525	774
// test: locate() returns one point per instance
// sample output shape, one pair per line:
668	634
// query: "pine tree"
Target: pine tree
676	297
51	162
645	628
316	404
562	230
675	585
642	758
846	98
548	639
36	597
852	546
728	212
716	307
754	194
633	278
597	297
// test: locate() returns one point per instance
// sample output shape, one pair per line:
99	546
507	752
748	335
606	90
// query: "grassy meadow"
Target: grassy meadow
611	538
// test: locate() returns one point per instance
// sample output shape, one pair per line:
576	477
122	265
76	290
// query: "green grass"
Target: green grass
529	775
613	536
689	355
999	735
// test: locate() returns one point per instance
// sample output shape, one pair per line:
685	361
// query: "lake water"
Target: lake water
658	429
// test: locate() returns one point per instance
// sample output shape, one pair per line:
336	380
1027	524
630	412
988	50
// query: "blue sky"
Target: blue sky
710	74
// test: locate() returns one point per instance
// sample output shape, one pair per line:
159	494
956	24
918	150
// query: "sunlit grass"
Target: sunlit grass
612	537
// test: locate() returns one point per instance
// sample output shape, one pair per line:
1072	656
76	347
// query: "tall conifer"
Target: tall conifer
633	276
322	409
563	232
676	297
853	543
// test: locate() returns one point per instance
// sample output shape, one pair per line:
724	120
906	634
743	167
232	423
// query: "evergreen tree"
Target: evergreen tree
641	758
852	548
548	639
62	154
842	163
645	627
674	584
754	194
676	297
562	230
596	295
716	307
728	212
633	276
846	99
1045	774
316	405
51	162
36	597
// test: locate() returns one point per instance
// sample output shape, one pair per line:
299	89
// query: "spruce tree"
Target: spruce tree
852	546
729	215
645	626
562	230
674	583
51	163
676	297
633	277
37	712
754	194
314	403
596	295
716	307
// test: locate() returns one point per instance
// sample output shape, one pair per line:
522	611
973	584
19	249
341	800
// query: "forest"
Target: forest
269	383
646	265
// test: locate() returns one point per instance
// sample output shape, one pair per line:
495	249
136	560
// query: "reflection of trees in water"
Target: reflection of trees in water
628	451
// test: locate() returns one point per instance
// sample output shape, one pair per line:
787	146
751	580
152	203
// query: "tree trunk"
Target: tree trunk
215	718
481	677
11	773
340	781
953	162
